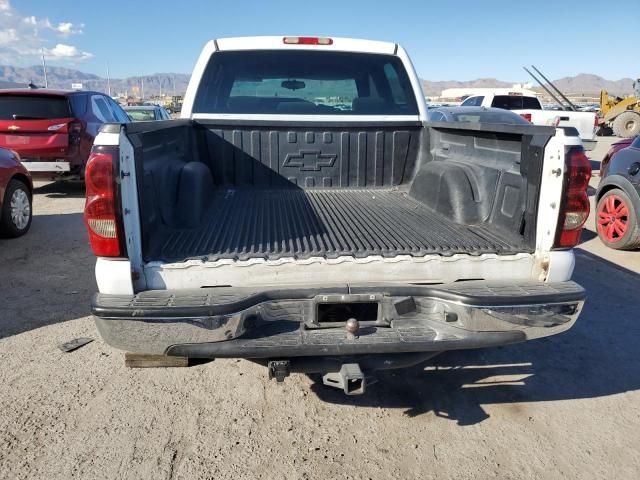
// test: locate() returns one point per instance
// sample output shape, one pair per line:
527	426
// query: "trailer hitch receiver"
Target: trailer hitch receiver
350	379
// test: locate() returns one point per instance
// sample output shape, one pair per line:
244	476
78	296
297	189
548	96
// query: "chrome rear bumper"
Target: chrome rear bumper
246	323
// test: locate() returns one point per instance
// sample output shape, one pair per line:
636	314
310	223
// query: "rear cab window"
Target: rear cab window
531	103
33	107
516	102
306	83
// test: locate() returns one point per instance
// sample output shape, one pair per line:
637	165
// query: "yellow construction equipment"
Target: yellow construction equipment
622	115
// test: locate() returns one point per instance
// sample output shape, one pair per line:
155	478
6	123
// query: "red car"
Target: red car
53	130
16	193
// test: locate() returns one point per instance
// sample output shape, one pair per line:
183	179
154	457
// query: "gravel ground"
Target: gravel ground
562	407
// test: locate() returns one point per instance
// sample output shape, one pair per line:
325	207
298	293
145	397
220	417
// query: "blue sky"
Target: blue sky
448	40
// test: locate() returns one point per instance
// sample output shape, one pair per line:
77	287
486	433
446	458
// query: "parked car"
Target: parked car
475	115
270	224
586	123
16	193
53	130
618	196
615	148
143	113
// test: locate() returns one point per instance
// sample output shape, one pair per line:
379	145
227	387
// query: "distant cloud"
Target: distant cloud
23	37
67	52
63	28
68	28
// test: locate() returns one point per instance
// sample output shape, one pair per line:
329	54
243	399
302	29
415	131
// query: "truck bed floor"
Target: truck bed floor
267	223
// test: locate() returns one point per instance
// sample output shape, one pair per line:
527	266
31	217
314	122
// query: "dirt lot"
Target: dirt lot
563	407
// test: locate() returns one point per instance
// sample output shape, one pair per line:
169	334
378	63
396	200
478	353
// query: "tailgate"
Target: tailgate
36	138
35	124
584	122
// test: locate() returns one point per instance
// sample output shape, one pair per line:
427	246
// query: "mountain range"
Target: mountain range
168	83
62	78
583	83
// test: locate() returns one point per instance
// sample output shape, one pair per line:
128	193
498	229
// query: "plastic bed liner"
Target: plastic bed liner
250	223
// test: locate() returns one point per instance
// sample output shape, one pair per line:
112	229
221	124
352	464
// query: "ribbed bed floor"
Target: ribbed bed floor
251	223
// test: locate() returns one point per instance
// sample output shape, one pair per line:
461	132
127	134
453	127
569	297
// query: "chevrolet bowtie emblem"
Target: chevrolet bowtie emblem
309	160
13	127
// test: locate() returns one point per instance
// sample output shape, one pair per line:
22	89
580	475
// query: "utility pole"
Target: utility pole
174	85
160	80
44	68
108	80
141	88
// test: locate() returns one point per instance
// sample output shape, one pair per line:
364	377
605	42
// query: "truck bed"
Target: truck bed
293	223
258	191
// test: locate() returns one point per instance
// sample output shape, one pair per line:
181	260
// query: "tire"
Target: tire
617	221
17	211
627	125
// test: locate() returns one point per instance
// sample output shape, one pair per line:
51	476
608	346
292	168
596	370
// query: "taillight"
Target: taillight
307	41
574	206
526	116
100	210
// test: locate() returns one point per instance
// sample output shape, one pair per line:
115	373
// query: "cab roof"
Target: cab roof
278	43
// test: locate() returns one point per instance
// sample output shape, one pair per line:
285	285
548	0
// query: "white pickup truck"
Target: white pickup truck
303	214
529	107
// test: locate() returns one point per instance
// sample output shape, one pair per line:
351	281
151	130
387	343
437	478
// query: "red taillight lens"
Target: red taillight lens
99	211
526	116
574	207
307	41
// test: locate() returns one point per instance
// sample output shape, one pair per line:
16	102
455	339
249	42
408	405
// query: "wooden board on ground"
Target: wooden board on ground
142	360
